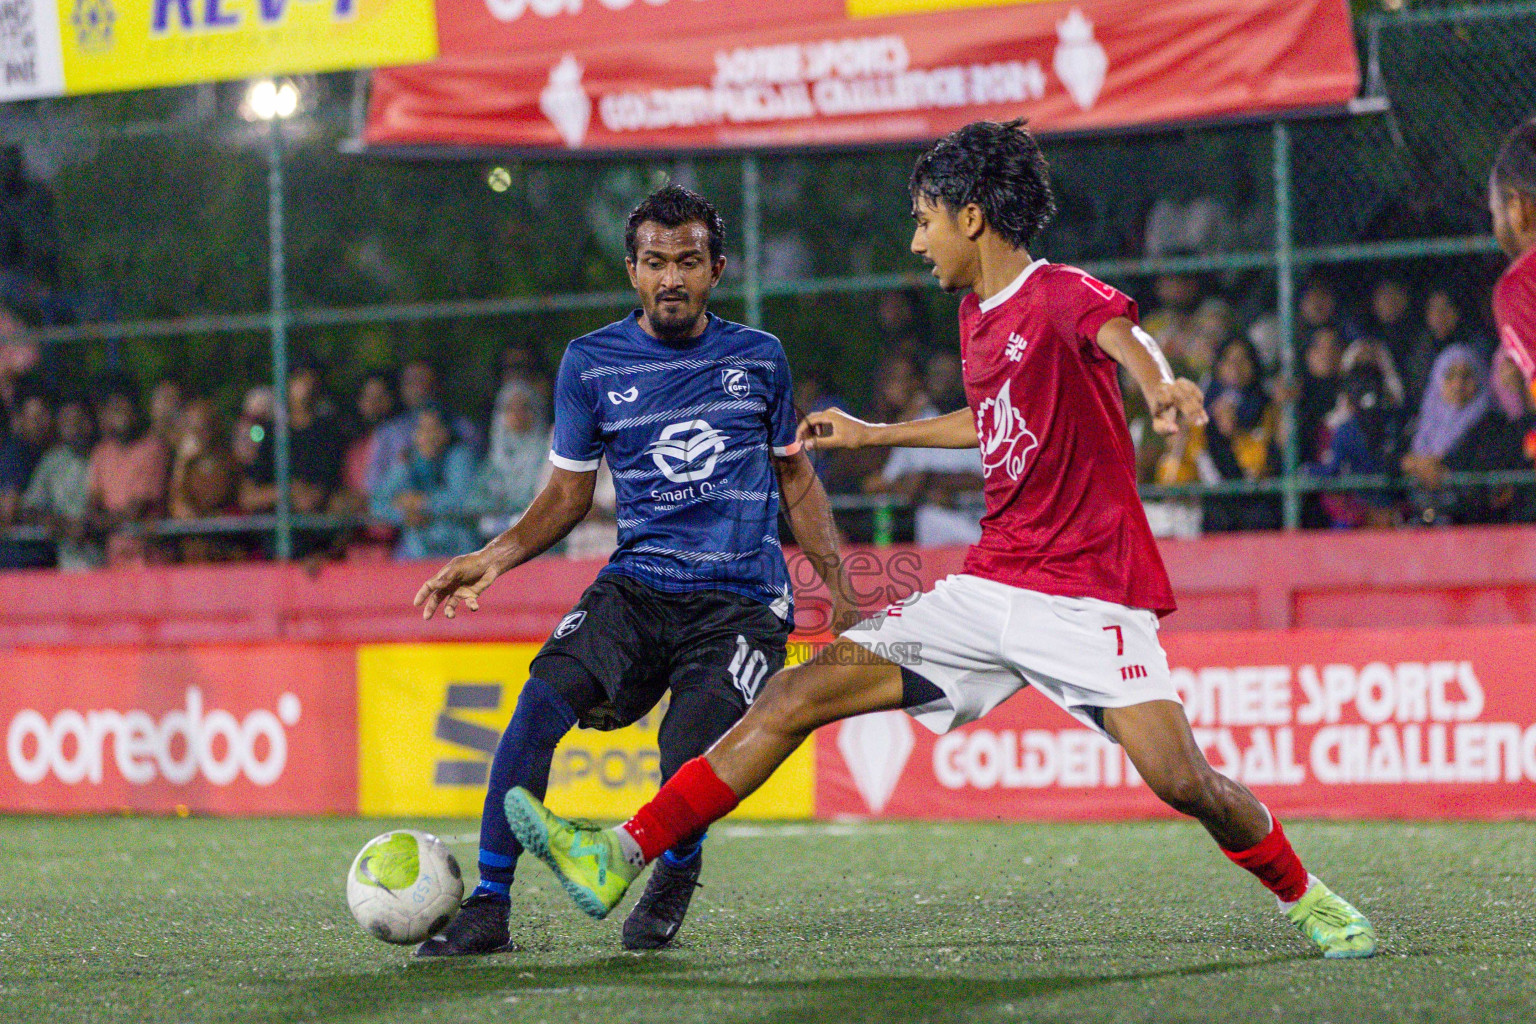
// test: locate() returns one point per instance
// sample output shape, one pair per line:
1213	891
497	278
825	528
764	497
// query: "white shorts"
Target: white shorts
980	642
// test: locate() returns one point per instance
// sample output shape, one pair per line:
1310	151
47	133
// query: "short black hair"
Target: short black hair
997	166
1514	168
115	384
672	206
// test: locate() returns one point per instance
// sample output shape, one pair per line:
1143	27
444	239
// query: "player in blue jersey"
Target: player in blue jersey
695	417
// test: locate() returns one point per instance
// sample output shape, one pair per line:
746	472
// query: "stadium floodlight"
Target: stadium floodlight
267	100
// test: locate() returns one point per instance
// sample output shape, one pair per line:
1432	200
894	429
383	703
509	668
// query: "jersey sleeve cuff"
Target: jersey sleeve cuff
573	465
781	450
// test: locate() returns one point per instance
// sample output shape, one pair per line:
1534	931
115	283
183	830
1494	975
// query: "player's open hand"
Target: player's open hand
831	428
1176	405
462	579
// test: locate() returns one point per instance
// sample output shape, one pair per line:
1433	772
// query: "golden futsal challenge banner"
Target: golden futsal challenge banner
58	47
430	715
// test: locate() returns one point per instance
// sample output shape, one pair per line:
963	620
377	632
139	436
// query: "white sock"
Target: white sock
1284	906
632	852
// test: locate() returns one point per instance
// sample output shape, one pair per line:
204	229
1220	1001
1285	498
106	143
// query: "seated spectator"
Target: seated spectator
205	482
1458	430
1178	296
597	535
425	492
59	497
1376	354
1318	396
1390	318
1318	307
127	473
521	362
902	319
165	405
1445	324
252	426
418	389
20	455
944	382
1239	441
514	469
1363	443
375	405
314	460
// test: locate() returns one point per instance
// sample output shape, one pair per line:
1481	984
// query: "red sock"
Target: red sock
690	802
1274	863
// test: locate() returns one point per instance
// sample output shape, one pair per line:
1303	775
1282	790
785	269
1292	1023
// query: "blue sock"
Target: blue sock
523	758
684	854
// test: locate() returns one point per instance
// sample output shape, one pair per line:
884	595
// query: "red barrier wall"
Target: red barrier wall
1246	582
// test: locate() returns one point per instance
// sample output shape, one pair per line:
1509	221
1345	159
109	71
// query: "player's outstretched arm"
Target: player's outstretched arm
836	429
810	518
563	503
1175	402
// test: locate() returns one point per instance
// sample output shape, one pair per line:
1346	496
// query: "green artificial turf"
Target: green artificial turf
150	920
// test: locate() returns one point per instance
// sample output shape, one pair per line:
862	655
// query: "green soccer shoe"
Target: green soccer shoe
1338	929
588	860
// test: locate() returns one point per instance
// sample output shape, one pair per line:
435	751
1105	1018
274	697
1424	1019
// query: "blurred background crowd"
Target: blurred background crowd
1402	385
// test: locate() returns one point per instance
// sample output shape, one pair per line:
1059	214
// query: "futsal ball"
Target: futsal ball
404	886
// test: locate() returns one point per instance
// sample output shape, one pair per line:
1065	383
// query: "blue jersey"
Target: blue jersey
688	430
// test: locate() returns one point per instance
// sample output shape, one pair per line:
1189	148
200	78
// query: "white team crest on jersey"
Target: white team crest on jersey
875	748
736	383
687	451
1005	441
620	397
570	624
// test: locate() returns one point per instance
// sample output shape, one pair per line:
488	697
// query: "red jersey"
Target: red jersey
1063	516
1514	312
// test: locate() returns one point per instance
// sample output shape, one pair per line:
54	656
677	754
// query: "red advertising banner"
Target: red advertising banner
822	72
1435	723
229	729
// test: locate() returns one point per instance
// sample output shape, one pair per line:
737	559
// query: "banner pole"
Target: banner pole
276	274
752	239
1285	286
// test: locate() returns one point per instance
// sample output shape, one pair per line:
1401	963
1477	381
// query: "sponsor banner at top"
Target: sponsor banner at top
680	74
56	47
1338	724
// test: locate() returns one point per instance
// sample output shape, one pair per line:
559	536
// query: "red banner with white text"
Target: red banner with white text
1435	723
699	74
218	729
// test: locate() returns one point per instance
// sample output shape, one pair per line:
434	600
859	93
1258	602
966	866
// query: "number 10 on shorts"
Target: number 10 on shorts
748	668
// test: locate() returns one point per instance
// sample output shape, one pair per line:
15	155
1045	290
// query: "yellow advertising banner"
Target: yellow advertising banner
79	46
430	715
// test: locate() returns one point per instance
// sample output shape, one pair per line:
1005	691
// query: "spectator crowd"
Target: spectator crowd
1406	390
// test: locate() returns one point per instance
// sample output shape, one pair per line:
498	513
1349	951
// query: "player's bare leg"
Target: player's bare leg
1157	738
596	866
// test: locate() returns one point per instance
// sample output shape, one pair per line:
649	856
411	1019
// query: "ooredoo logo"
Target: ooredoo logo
179	746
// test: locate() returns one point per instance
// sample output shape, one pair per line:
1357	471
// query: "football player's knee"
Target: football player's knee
1186	790
790	701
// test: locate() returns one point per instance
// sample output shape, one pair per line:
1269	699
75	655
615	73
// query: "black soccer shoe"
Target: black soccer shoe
660	912
478	928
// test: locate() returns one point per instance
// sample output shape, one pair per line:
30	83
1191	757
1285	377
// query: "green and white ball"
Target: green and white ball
404	886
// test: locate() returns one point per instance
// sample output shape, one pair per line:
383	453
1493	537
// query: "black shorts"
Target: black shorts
635	642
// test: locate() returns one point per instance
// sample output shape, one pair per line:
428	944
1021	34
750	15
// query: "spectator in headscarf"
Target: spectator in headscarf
1319	391
425	492
1390	318
393	439
1364	442
1239	440
514	466
1445	324
205	481
1457	431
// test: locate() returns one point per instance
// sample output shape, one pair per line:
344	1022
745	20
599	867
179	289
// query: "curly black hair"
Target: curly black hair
997	166
1514	169
672	206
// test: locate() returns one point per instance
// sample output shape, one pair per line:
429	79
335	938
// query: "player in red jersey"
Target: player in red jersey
1512	203
1063	591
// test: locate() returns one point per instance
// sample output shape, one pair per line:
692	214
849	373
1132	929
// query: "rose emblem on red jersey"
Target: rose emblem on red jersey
1005	441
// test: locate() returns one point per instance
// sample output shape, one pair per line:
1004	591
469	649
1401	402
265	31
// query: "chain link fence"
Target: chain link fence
135	244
